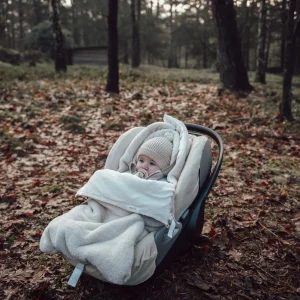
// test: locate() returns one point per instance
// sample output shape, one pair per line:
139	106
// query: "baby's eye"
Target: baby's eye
141	160
152	163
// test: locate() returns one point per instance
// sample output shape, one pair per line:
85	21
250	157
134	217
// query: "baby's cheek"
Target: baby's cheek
154	169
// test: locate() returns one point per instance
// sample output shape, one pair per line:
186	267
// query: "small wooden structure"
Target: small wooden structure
87	56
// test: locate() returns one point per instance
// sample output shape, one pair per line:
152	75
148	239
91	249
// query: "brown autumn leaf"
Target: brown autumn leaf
47	164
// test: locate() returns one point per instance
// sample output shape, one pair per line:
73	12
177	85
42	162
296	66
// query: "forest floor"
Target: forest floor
56	130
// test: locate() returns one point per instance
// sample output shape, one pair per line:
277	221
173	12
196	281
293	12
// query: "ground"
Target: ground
56	130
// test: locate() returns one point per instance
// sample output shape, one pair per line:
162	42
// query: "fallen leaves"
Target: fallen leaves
60	131
197	281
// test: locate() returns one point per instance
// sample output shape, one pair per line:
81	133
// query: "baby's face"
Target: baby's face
146	163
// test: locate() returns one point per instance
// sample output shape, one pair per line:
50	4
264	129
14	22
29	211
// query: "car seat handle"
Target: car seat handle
196	220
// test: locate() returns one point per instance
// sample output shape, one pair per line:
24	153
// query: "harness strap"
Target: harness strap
76	274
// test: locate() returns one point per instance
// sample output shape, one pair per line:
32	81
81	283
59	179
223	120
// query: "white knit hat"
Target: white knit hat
158	149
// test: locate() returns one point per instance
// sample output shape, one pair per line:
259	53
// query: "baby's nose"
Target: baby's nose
145	166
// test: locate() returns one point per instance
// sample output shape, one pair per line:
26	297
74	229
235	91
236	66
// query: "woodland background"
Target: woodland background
58	122
25	25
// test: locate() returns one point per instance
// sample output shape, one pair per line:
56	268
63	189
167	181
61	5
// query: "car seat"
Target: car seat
189	181
190	201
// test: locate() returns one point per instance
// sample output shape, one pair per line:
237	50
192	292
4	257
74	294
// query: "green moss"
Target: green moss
76	128
52	189
10	141
114	126
70	119
72	123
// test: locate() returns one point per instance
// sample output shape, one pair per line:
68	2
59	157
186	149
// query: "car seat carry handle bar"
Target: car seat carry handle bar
194	227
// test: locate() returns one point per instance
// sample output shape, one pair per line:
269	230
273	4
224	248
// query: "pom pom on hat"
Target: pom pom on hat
158	149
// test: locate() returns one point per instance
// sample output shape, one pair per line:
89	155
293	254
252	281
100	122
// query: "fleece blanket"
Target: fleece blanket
121	211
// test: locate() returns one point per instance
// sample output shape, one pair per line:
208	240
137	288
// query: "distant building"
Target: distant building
87	56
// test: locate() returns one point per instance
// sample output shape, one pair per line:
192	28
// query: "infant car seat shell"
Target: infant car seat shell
193	184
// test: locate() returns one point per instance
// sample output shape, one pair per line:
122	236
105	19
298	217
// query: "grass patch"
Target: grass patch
72	123
25	73
151	74
155	74
9	142
145	74
114	126
5	114
52	189
70	119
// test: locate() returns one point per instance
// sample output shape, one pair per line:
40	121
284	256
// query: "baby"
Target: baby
153	159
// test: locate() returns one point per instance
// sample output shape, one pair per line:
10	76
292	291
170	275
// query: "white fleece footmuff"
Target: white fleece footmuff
107	246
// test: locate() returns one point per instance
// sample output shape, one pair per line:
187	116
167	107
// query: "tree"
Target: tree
113	63
285	106
41	38
75	29
283	32
2	24
260	75
38	17
21	22
125	30
172	54
60	63
136	45
152	41
233	72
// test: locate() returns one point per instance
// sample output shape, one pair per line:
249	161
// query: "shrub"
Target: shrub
41	38
9	56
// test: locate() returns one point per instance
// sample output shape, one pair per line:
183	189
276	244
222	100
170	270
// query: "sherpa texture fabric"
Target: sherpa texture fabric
120	214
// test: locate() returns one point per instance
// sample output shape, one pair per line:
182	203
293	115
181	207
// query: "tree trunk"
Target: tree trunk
2	26
37	11
260	75
135	18
60	63
178	57
21	19
186	56
13	32
233	73
75	30
297	63
269	39
285	106
6	26
126	54
113	63
283	33
204	60
171	55
245	34
247	51
85	27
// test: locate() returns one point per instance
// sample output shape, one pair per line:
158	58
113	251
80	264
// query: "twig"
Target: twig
274	277
244	296
270	275
274	234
